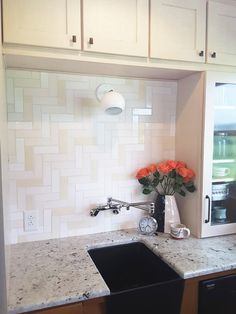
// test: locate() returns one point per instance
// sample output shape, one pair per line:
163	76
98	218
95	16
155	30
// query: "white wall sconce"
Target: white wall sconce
112	102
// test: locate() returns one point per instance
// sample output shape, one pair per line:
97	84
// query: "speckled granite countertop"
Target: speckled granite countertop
55	272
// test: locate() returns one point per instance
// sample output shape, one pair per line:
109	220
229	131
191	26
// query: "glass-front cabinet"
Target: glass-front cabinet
219	162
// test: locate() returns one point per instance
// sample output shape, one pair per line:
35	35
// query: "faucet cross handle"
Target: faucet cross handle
152	208
109	201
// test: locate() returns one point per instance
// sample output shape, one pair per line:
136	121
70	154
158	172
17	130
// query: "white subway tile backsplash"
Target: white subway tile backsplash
44	80
16	167
17	125
18	74
142	112
66	155
62	117
20	150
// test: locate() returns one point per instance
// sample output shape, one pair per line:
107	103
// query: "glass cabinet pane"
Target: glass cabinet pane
223	209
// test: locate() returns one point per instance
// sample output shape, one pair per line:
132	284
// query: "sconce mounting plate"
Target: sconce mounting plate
102	89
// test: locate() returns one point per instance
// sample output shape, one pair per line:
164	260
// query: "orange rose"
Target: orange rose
191	173
181	164
187	174
190	176
164	167
183	172
152	168
172	164
142	173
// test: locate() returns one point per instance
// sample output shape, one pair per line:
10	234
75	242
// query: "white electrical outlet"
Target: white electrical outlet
31	220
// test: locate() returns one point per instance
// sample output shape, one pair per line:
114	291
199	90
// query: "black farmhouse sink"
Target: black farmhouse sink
139	281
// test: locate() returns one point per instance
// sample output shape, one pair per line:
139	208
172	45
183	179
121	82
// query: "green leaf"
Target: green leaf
144	181
155	182
177	188
190	189
179	180
172	174
190	183
147	190
181	192
156	174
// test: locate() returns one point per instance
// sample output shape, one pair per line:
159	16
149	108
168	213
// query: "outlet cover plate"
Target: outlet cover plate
31	220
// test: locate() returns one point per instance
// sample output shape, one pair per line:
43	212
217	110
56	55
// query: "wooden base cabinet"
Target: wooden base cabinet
97	306
93	306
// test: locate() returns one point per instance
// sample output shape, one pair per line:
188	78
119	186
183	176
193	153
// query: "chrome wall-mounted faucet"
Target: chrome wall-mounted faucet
116	205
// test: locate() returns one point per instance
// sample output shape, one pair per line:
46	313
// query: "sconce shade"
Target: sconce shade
112	102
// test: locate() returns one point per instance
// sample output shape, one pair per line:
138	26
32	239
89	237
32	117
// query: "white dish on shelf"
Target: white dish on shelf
220	192
216	180
223	161
220	172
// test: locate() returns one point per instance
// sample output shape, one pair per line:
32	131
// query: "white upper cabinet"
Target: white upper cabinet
207	143
158	29
47	23
178	29
219	155
221	39
116	26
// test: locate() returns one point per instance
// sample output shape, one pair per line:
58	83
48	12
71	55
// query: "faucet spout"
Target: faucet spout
148	206
116	205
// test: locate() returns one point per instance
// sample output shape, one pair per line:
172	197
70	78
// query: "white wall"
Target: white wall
66	155
231	2
3	294
3	185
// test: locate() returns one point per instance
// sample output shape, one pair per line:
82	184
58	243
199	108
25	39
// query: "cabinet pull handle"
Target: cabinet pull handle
74	39
201	53
213	55
209	209
91	40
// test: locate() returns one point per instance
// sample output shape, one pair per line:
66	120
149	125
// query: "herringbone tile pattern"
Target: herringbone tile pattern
66	155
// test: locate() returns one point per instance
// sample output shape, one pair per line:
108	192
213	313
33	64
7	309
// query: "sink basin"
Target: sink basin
139	281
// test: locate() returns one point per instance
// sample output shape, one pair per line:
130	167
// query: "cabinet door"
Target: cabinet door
219	162
48	23
178	29
221	34
94	306
119	27
76	308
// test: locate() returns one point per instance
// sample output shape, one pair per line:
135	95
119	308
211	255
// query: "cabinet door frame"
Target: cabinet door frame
101	45
162	51
206	228
216	9
14	34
